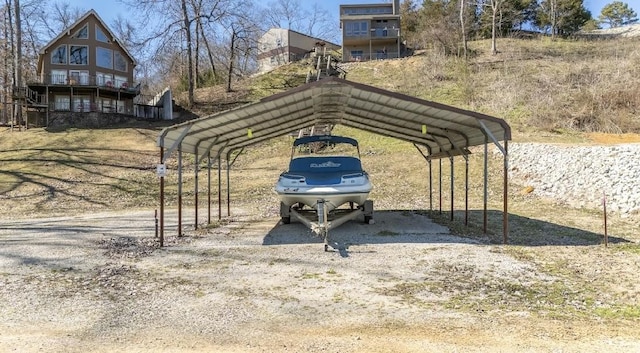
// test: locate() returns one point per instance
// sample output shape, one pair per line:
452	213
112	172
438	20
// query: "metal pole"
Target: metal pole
161	201
195	191
209	187
452	195
440	182
466	190
180	190
430	188
398	43
606	234
485	221
228	188
505	212
219	189
155	217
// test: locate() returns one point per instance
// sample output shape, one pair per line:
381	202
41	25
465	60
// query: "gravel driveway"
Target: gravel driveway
99	283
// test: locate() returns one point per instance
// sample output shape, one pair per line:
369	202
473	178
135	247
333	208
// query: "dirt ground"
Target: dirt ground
99	283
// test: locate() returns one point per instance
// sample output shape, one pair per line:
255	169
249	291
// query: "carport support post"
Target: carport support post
161	200
430	188
209	187
219	188
451	161
505	212
195	191
228	187
180	190
466	189
440	183
485	220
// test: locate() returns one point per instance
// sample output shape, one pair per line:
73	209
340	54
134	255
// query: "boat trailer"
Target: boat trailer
326	220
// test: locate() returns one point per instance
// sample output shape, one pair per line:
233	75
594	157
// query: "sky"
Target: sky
108	10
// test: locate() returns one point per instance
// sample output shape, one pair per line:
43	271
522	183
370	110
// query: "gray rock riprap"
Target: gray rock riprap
581	176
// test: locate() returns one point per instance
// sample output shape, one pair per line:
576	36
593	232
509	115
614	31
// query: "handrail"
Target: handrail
86	80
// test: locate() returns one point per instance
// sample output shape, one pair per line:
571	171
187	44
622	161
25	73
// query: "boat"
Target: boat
322	170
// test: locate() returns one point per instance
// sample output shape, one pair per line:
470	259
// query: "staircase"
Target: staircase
325	66
318	129
30	97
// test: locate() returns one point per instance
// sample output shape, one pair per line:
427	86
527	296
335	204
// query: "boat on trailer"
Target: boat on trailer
324	175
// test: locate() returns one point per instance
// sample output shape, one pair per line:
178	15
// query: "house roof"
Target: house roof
301	34
67	31
443	130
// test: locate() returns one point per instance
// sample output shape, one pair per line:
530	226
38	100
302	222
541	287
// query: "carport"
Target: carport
438	131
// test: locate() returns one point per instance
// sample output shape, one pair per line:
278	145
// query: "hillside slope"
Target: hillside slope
538	86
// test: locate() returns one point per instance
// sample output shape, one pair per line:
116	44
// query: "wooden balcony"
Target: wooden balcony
98	82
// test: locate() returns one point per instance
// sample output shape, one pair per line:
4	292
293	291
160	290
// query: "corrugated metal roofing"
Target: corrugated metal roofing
442	129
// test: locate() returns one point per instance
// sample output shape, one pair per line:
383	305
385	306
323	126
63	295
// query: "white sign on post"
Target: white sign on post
161	170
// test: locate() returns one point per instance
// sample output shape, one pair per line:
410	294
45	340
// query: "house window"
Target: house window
77	77
104	57
120	106
356	55
78	55
62	103
100	36
59	55
119	63
104	79
82	33
105	105
121	82
81	103
58	77
356	29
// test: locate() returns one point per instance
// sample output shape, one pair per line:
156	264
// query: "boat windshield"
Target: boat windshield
326	147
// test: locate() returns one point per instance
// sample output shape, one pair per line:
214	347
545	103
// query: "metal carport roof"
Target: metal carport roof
444	131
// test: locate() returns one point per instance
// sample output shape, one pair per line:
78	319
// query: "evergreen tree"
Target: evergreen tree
561	17
512	16
617	14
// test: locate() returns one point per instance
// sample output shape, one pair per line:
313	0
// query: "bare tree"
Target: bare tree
316	22
463	29
7	61
57	17
187	30
285	12
15	46
495	7
242	33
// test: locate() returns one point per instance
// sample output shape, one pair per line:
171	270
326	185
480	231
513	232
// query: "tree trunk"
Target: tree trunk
187	29
494	8
553	19
209	53
464	33
7	59
196	66
231	58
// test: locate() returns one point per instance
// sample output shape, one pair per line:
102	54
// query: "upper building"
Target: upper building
84	69
279	46
371	31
